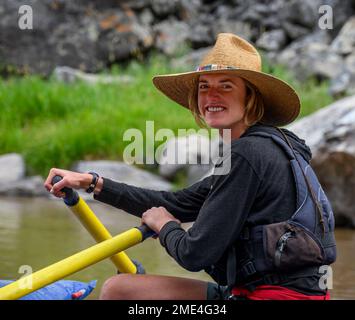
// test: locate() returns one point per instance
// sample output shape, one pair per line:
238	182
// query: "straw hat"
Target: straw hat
232	54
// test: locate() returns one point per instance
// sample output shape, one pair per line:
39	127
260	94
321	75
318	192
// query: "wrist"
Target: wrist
166	222
86	181
94	180
99	186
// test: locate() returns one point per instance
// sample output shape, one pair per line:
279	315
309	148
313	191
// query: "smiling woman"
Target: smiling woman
251	224
252	106
226	101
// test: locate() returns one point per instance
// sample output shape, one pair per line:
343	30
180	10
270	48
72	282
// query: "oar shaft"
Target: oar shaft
89	220
94	226
71	264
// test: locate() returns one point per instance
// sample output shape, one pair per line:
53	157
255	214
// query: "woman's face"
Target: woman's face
221	100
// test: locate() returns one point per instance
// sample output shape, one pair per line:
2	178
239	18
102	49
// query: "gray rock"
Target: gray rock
70	75
123	172
294	31
200	36
301	12
122	36
344	43
191	60
146	17
195	155
12	168
190	10
138	4
72	34
272	40
243	29
310	56
26	187
344	83
171	36
330	133
342	11
163	8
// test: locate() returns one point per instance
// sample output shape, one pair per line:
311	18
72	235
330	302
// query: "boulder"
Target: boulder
200	36
122	172
70	75
26	187
164	8
301	12
76	34
195	155
12	168
273	40
344	82
243	29
191	60
330	133
171	36
310	57
342	11
344	43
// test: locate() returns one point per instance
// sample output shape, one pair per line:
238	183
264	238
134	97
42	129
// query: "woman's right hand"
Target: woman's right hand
70	179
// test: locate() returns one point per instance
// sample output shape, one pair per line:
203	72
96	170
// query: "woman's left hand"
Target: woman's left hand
155	218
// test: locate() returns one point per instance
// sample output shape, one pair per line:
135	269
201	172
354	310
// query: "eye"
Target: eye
226	86
202	86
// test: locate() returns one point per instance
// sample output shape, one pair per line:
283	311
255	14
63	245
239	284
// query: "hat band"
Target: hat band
209	67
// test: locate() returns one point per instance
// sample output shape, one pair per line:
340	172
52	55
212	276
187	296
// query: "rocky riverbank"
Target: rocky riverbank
330	133
93	35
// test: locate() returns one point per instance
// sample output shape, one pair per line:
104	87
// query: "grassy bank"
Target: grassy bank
55	124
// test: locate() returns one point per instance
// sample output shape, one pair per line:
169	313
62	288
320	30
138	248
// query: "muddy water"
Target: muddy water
38	232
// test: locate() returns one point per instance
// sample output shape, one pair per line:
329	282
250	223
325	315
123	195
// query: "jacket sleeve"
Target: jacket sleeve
183	204
219	222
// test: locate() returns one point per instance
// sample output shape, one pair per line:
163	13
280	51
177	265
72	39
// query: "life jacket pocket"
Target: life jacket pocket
288	247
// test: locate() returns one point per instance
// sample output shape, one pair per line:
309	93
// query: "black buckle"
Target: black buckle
248	269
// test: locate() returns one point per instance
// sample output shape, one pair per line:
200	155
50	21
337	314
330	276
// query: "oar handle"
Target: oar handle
71	196
146	232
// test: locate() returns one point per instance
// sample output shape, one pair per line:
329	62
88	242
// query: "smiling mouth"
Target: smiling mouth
215	109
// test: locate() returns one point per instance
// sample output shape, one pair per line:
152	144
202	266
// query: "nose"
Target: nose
212	92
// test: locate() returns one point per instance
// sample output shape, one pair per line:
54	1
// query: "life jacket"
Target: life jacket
273	253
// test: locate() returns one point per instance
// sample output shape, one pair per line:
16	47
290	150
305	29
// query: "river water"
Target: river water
38	232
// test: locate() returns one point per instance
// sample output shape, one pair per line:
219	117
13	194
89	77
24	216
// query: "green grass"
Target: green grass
54	124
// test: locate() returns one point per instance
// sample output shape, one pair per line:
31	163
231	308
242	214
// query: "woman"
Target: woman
228	91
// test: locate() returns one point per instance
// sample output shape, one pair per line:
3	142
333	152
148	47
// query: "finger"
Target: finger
59	194
52	173
48	182
59	185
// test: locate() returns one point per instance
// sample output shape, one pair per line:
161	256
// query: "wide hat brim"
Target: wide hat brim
281	102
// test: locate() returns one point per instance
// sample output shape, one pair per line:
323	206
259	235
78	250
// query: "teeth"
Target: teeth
215	109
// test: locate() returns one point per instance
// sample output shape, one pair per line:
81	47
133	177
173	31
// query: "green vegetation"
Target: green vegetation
54	124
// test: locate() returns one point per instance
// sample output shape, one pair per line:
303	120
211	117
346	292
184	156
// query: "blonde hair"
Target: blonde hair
254	106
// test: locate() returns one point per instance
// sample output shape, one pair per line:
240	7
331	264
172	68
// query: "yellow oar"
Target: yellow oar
74	263
89	220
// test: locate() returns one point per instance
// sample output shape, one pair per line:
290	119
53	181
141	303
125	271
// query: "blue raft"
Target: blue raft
60	290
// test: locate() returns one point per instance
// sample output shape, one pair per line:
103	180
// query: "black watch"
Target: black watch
95	179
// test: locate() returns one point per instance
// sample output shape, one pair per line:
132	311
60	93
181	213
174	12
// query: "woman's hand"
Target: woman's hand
155	218
70	179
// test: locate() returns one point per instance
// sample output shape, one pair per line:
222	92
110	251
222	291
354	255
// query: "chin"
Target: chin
218	125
